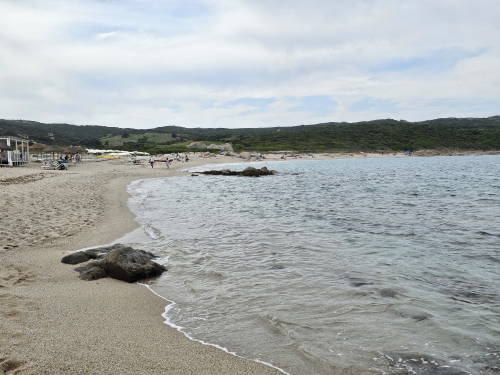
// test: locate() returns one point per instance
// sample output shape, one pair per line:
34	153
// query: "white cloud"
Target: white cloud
144	63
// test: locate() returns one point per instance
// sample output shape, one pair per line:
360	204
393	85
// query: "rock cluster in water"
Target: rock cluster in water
247	172
118	261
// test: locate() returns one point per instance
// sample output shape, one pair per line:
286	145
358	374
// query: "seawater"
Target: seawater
347	266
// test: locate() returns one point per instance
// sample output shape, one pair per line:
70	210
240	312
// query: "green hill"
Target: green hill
378	135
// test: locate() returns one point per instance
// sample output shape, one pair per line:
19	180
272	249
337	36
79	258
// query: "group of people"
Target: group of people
77	158
168	161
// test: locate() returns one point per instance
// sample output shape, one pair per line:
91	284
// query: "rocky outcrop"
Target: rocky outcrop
91	271
254	172
117	261
75	258
197	145
227	147
247	172
131	265
86	255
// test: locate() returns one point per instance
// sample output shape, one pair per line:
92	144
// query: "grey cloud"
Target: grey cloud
129	62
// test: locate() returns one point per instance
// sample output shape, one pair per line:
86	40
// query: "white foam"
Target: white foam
169	322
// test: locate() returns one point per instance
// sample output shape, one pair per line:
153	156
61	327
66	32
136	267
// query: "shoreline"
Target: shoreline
171	304
53	322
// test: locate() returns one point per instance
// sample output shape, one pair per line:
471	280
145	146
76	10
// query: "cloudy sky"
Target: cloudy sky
247	63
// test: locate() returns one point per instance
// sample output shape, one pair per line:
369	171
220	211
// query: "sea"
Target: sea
347	266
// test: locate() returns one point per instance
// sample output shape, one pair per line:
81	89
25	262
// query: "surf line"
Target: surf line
169	323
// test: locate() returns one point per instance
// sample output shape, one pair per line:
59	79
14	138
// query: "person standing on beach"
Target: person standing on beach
152	162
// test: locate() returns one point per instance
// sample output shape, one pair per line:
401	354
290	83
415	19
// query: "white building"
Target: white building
14	151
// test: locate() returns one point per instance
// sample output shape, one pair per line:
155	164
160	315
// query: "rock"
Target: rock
75	258
197	145
277	267
86	255
91	271
391	293
117	261
228	147
357	282
131	265
420	317
247	172
251	172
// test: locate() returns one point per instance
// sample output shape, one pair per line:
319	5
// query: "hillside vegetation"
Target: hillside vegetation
378	135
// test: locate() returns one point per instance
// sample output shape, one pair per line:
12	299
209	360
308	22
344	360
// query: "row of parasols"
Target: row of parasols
54	149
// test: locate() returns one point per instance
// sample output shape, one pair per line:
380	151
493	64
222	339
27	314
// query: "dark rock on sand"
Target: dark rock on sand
86	255
117	261
75	258
130	265
247	172
91	271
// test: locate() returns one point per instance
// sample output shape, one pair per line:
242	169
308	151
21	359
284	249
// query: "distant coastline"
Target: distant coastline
385	135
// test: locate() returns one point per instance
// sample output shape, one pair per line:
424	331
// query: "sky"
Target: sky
247	63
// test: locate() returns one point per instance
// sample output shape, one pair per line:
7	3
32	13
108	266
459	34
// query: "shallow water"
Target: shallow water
349	266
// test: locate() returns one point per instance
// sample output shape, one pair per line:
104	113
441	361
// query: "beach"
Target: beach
51	321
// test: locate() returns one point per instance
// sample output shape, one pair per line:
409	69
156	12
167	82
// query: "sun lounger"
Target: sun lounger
54	165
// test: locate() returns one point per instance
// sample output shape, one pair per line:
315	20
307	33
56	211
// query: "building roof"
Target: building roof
13	138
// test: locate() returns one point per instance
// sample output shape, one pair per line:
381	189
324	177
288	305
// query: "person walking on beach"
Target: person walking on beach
152	162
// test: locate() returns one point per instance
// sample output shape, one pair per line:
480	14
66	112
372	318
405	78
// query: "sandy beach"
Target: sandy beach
51	322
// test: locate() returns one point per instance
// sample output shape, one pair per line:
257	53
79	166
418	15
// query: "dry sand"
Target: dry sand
51	322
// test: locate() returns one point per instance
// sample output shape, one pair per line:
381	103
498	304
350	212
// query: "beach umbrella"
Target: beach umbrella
53	149
37	148
77	150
